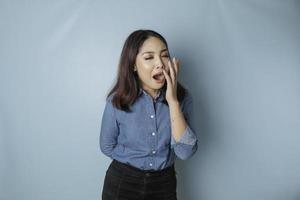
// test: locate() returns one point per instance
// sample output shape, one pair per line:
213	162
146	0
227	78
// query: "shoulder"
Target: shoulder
109	98
109	102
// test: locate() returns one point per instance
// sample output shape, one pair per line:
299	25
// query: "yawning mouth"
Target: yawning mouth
159	76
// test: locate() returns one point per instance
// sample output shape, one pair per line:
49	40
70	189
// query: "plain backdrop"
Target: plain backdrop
240	59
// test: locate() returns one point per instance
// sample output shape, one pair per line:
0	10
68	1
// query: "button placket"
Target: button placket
151	162
153	136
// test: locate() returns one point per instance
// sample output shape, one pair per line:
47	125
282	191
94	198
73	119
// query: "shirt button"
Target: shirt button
152	116
153	134
153	151
150	164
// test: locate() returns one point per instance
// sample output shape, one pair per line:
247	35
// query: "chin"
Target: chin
158	87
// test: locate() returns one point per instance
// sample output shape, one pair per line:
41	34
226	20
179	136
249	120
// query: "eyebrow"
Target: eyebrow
153	51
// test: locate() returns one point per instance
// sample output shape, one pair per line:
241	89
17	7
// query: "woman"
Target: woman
146	123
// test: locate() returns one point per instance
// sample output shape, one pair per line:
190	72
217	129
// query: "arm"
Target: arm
109	129
183	140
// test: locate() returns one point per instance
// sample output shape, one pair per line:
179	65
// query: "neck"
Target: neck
152	93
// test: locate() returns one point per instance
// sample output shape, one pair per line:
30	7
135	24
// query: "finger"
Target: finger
172	72
176	68
167	77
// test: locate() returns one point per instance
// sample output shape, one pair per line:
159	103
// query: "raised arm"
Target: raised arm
183	140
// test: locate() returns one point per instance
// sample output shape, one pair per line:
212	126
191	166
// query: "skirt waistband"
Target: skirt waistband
131	169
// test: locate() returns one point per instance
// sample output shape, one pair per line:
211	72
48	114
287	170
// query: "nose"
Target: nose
159	64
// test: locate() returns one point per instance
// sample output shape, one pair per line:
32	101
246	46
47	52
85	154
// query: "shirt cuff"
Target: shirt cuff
188	137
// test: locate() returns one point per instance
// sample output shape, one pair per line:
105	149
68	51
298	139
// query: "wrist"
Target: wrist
173	103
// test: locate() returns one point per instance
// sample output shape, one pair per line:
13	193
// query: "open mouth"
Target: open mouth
159	77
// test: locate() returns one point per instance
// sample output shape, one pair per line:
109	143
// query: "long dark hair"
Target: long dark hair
126	89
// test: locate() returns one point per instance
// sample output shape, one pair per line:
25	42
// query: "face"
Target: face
153	56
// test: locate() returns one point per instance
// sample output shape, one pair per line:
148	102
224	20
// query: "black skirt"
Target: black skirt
125	182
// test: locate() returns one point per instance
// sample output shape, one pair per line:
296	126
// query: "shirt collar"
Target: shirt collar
159	97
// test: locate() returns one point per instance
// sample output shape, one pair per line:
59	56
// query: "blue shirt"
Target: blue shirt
143	138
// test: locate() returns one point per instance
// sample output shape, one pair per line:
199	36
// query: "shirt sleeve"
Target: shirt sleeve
187	144
109	129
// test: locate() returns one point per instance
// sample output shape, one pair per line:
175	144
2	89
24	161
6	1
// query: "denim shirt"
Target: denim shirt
143	138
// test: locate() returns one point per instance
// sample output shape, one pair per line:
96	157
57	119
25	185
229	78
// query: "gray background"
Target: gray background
240	59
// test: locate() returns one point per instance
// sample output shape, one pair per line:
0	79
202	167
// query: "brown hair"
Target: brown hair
126	89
